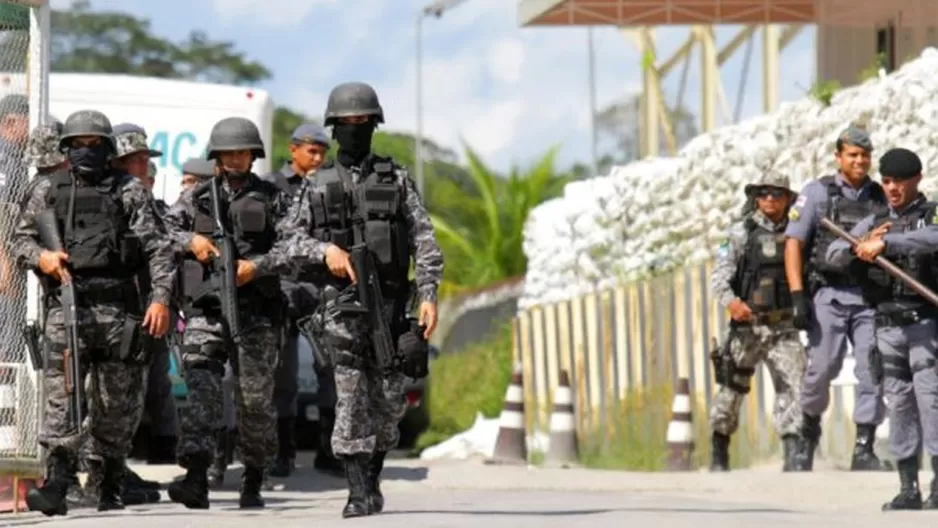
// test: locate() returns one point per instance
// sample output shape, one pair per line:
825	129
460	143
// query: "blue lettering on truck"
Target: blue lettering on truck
176	148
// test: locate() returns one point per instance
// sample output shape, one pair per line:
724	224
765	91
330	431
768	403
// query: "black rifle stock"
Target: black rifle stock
32	336
887	266
223	279
51	239
369	295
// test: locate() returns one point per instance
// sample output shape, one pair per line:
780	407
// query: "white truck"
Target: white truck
177	115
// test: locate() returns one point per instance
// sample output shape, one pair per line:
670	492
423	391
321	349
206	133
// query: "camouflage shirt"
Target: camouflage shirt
428	258
292	246
729	254
144	223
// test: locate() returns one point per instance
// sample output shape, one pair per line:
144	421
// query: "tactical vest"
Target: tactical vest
760	278
95	227
370	212
248	221
847	214
890	295
290	187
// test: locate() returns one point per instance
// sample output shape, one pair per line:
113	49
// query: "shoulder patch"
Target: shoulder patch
794	215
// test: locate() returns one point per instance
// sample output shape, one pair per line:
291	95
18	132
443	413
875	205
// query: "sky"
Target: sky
510	93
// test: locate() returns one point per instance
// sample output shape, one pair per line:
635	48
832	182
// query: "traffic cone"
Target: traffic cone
563	446
510	445
680	436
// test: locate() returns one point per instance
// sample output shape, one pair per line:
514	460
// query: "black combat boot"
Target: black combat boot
325	461
251	481
76	495
220	459
810	436
285	462
135	490
50	497
375	466
161	450
909	497
931	503
864	458
133	479
719	452
790	444
109	497
192	491
356	471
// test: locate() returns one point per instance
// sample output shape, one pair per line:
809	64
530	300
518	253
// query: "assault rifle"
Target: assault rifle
369	295
221	288
51	239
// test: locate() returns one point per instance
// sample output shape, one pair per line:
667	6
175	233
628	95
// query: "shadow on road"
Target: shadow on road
595	511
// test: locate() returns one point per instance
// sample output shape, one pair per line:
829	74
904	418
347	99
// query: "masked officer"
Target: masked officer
133	156
749	280
111	231
365	199
309	145
827	300
907	234
253	215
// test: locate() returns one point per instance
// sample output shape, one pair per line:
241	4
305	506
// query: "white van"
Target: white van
177	115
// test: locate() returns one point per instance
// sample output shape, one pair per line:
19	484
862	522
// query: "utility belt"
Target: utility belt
124	293
904	318
820	279
773	317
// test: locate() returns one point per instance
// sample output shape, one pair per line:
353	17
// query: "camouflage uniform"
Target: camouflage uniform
115	405
206	346
755	251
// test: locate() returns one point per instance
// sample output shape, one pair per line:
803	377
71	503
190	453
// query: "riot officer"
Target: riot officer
111	230
309	145
907	234
828	301
367	201
749	280
253	213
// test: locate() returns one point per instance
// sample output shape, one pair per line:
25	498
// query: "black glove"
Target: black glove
414	351
801	311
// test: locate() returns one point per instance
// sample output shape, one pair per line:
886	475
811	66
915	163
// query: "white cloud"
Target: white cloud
274	13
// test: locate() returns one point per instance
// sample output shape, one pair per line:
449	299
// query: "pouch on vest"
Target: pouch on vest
337	215
136	343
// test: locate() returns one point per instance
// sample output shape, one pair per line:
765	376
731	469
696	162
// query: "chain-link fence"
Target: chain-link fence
23	104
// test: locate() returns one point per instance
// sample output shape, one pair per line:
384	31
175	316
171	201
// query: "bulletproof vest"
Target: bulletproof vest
760	278
248	220
370	212
847	214
891	295
95	227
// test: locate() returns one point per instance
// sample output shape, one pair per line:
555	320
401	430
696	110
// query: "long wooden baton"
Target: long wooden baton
882	262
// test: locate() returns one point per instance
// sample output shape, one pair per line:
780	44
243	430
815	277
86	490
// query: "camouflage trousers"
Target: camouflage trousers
112	391
204	353
369	404
783	353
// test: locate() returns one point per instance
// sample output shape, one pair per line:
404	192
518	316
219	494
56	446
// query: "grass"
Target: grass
465	382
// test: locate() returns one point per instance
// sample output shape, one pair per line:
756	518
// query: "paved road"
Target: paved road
457	494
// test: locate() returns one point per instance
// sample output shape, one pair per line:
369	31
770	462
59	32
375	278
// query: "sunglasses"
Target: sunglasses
765	192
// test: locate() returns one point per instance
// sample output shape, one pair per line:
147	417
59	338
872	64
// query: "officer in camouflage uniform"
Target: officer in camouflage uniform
396	228
255	210
907	234
749	280
101	263
133	156
42	149
309	146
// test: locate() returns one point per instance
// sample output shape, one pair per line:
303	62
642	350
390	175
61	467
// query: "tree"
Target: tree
482	237
617	127
114	42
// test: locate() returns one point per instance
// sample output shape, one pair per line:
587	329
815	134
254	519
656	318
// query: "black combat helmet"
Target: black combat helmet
235	133
87	123
353	99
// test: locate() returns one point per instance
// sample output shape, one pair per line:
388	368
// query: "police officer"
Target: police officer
14	133
133	156
749	280
827	300
907	234
101	263
42	149
195	170
309	145
367	199
254	212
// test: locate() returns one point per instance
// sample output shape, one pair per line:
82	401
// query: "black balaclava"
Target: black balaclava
354	141
90	163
